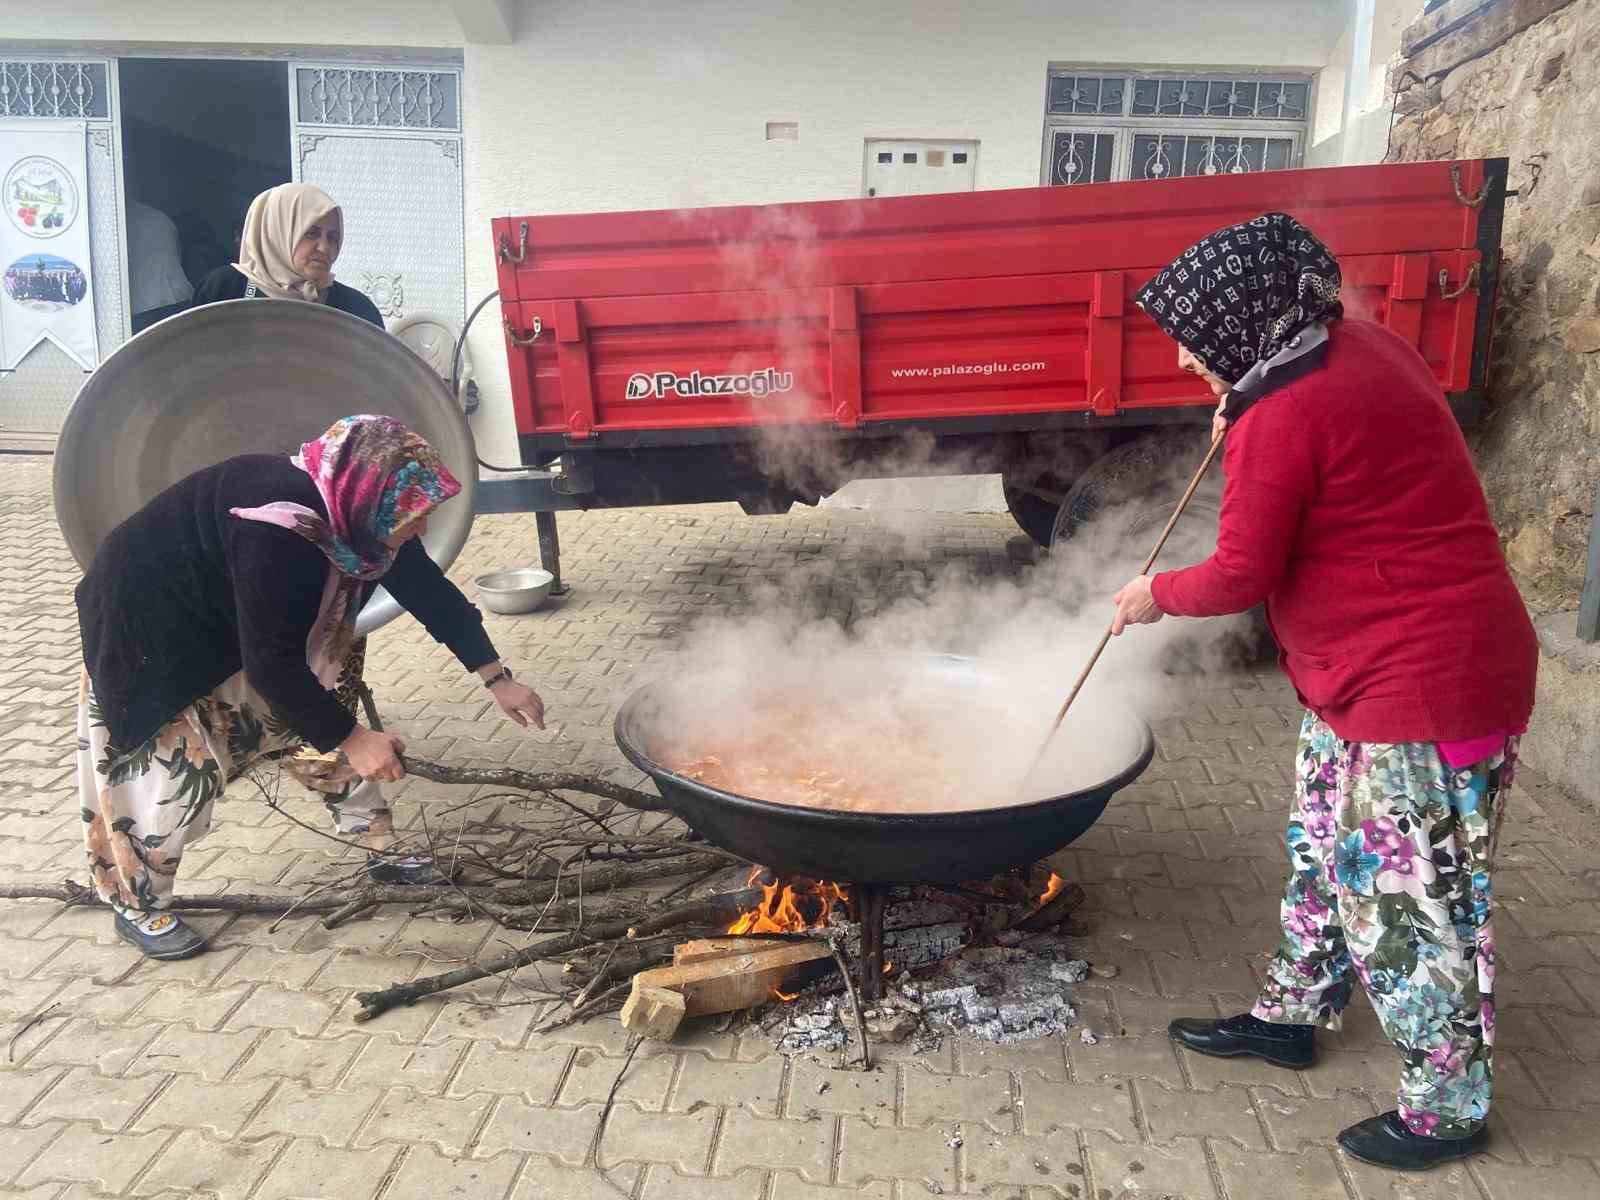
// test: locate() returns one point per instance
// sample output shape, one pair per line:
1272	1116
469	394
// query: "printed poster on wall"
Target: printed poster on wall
46	287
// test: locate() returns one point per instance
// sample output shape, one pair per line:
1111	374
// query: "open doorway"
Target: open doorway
200	139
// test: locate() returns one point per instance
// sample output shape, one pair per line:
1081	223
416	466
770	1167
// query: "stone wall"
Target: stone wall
1520	79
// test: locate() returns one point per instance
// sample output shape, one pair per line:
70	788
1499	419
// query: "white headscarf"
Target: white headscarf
277	220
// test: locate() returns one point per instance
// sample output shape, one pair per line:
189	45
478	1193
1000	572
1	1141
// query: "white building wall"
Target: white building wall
241	23
643	104
663	103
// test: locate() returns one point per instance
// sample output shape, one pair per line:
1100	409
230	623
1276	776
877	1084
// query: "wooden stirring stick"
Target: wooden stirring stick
1105	638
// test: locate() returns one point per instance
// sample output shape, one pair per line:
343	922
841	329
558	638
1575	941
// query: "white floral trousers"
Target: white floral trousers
142	808
1390	850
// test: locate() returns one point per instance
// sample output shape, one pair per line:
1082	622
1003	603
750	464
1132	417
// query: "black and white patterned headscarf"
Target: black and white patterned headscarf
1239	297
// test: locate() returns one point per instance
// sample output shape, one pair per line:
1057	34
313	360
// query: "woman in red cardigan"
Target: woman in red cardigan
1352	509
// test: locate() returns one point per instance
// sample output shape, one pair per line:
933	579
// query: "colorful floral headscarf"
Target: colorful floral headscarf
375	477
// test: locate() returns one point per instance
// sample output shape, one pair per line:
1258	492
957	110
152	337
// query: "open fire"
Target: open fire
792	905
1052	889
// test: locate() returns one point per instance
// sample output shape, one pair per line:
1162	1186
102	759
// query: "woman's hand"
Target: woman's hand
519	702
1218	425
1136	605
374	756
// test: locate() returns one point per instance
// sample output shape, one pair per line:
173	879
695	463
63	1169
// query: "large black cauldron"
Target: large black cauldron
885	848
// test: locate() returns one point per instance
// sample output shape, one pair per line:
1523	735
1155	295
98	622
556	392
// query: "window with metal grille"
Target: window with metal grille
54	89
1105	125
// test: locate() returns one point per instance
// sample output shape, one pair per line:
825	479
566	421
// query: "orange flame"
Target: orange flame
786	997
791	907
1052	889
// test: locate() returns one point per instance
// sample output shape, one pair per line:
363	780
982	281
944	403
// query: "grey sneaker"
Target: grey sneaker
158	935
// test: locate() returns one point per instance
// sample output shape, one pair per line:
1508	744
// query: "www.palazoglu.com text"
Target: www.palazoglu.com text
991	368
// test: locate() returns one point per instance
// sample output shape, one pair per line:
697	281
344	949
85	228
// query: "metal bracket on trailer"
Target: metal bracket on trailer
538	492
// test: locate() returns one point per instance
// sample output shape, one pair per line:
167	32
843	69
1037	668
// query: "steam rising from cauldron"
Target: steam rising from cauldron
819	632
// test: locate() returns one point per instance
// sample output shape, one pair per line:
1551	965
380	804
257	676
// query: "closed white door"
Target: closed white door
385	142
919	167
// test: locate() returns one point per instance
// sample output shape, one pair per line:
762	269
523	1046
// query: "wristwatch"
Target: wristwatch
500	676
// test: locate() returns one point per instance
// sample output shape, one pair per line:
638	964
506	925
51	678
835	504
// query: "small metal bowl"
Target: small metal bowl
517	591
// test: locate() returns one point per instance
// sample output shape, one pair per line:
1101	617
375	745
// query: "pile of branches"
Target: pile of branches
576	876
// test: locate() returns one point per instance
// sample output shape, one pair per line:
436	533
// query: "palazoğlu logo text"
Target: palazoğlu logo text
659	384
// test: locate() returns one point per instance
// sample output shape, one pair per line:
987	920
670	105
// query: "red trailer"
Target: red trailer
770	354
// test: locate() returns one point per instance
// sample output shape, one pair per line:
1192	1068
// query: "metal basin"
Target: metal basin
882	848
243	377
517	591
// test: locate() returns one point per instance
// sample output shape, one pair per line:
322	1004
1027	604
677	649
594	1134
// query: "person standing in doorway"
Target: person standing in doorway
156	280
293	234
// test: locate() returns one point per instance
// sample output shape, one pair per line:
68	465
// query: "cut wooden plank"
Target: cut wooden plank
652	1012
730	982
699	949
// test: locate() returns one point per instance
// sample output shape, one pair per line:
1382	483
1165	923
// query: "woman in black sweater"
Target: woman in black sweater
216	624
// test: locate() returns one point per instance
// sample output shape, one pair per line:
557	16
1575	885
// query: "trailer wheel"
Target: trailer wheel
1149	473
1034	514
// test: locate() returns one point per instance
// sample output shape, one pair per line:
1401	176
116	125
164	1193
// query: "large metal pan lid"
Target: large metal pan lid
246	377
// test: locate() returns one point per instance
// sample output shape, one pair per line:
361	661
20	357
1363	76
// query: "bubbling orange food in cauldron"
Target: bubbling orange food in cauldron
899	761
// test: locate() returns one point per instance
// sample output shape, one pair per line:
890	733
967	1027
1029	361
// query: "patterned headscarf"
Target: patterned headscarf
1239	296
375	477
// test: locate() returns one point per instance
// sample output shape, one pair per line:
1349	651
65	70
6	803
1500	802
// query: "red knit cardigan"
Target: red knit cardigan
1352	508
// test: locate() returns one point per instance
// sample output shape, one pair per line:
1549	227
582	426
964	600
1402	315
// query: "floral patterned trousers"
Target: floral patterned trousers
1390	850
143	808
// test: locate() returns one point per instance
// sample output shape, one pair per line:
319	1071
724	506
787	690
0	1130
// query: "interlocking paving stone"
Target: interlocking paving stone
948	1100
1295	1124
425	1174
816	1087
1228	1112
645	1083
1048	1107
563	1134
539	1181
1572	1179
83	1095
309	1171
756	1086
454	1097
1177	1170
193	1102
405	1116
316	1062
804	1146
87	1153
534	1074
1308	1176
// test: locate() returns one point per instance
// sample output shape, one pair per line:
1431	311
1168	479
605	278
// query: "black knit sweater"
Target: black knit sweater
183	594
228	283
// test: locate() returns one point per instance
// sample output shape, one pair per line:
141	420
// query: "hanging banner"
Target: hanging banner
46	287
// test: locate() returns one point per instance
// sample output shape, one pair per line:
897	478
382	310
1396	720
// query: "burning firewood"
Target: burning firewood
738	977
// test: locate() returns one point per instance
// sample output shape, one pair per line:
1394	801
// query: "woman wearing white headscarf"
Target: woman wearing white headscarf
292	237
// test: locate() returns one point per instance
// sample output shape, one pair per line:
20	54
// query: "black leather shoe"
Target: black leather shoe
1386	1142
160	936
1234	1037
